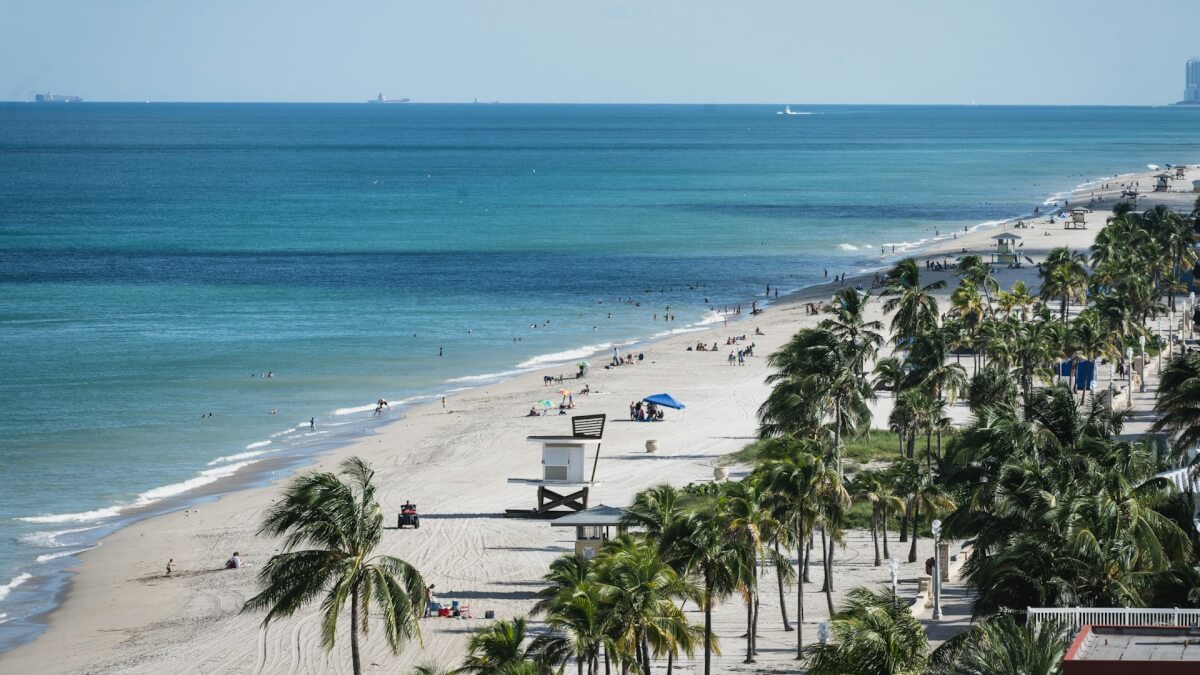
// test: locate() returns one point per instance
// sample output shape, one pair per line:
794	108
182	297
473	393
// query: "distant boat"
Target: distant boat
56	98
383	99
787	110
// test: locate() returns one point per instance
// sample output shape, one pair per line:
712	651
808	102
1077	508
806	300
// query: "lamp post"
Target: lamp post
1142	349
1129	366
894	566
936	527
1191	315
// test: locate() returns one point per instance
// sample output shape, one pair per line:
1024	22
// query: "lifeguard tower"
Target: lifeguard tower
1006	249
1160	182
592	527
564	458
1078	219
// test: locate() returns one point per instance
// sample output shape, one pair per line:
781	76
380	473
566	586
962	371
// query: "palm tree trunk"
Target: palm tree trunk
875	532
808	559
904	522
800	598
355	659
883	526
828	555
787	627
708	596
579	665
645	654
749	626
912	551
671	661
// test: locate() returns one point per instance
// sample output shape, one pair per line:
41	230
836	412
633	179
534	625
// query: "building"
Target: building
1132	650
1191	93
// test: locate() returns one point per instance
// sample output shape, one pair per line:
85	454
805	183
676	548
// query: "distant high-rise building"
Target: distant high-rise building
1192	93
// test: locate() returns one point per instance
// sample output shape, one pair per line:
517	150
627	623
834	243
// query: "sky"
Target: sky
1060	52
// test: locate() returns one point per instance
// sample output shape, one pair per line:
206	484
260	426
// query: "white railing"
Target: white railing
1077	617
1180	478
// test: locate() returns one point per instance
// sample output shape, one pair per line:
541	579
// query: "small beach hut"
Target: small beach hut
1078	219
1196	186
1160	182
593	526
1181	172
1006	252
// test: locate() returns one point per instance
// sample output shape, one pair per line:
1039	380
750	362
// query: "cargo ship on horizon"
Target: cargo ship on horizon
56	98
383	99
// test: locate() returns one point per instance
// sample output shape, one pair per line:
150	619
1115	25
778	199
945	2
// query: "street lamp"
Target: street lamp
1129	366
1142	348
894	565
936	526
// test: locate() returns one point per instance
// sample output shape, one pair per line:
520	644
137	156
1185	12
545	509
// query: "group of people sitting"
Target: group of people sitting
626	360
642	411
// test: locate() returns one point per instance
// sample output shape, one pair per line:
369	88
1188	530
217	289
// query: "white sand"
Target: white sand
121	615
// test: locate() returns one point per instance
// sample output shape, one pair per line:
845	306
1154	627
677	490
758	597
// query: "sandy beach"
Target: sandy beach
121	614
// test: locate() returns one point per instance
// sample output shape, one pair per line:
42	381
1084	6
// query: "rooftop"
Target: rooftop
1136	644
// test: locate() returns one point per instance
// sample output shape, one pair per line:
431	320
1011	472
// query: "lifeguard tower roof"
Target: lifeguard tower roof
600	515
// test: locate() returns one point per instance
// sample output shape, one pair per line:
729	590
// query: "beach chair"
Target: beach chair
464	611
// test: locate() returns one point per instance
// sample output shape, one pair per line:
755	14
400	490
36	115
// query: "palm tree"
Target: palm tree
990	386
873	634
914	306
861	338
1003	645
639	590
1178	402
499	648
973	270
751	523
797	478
342	524
700	542
579	627
873	487
1064	276
925	497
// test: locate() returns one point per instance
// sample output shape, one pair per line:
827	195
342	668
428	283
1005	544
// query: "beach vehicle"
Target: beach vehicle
787	110
408	517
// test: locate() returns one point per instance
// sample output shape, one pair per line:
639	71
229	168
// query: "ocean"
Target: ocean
156	260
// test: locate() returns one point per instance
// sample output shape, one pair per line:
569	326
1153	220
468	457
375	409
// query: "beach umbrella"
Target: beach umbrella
565	392
582	364
665	401
547	403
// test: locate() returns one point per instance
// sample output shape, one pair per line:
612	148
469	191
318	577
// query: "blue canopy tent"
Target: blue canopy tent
665	401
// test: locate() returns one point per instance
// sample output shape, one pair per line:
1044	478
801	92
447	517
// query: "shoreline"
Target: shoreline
249	486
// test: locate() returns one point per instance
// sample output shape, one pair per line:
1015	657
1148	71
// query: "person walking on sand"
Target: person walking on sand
429	601
169	563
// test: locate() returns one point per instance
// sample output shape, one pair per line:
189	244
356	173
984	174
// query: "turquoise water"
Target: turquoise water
154	257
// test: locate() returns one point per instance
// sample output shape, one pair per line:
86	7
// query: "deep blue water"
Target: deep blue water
154	257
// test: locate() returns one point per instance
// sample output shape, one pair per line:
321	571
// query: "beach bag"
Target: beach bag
489	614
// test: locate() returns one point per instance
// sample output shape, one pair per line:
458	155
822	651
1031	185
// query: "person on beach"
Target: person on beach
169	564
312	424
429	601
234	562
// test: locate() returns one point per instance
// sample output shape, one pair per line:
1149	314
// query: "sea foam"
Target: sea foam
567	355
16	581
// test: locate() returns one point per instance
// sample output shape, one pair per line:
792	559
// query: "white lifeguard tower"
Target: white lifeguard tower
1078	219
564	460
593	527
1006	252
1161	182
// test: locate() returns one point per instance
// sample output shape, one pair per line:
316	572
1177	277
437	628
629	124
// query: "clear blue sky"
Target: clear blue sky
769	51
